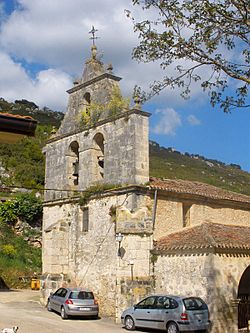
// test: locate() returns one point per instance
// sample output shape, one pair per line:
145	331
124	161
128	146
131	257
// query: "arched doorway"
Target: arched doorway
244	296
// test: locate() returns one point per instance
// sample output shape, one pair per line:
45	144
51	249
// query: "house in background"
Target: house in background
109	227
14	127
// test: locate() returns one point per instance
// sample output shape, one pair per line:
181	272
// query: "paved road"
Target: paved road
22	309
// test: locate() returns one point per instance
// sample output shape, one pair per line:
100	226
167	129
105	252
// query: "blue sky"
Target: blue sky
43	45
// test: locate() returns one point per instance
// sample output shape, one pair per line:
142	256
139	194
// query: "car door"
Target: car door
57	299
167	311
145	313
53	298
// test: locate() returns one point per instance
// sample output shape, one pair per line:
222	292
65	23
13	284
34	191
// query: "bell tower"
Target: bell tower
99	141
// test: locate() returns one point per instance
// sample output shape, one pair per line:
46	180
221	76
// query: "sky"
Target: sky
43	46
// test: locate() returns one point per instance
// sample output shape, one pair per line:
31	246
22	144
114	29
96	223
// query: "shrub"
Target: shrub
25	206
8	212
9	250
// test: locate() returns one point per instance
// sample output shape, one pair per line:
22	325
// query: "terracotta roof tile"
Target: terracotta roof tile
197	188
206	235
16	116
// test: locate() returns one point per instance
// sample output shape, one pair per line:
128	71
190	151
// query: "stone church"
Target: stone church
109	227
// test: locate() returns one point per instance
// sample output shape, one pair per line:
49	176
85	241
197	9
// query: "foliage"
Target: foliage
17	258
9	250
212	36
25	206
116	104
8	212
29	208
24	160
27	108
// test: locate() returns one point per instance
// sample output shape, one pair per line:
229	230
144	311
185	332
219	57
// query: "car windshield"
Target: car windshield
81	295
193	303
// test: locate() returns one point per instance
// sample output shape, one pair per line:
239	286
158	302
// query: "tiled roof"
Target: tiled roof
16	116
197	188
204	236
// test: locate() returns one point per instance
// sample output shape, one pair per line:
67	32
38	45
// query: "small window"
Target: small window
194	304
63	293
81	295
85	219
147	303
186	214
58	292
164	302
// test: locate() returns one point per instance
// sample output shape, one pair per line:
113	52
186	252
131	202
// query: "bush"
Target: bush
9	250
25	206
29	208
8	212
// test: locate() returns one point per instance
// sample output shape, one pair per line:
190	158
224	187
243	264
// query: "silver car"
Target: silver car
171	313
73	302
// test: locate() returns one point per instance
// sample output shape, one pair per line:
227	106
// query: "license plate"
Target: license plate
85	309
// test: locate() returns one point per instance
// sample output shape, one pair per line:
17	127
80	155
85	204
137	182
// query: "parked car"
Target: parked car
73	302
171	313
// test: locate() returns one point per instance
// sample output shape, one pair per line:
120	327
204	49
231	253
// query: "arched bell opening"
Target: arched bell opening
99	157
73	164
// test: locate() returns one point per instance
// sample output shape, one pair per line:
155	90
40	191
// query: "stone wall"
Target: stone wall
219	214
127	165
169	215
90	258
215	278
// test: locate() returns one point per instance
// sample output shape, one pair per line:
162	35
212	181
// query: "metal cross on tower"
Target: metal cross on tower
93	31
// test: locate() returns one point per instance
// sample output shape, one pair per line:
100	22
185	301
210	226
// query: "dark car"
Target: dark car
73	302
167	312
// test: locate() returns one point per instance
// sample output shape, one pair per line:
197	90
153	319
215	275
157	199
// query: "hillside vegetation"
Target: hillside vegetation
22	164
20	223
167	163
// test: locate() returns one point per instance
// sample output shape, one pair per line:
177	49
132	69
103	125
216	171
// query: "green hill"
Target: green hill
167	163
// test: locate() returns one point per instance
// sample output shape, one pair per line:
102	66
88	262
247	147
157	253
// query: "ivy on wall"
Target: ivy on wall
116	104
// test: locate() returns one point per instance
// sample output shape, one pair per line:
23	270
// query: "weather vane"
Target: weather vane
93	31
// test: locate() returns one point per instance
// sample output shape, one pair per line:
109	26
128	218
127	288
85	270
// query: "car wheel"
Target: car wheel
49	306
172	328
129	323
63	313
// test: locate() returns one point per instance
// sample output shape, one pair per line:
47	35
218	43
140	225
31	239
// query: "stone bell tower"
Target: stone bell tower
111	147
100	141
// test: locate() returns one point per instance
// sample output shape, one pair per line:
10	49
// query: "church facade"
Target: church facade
109	227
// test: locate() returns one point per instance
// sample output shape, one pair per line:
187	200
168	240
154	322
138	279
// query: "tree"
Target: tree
212	36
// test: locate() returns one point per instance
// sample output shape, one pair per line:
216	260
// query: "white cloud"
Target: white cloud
193	120
55	34
168	121
47	89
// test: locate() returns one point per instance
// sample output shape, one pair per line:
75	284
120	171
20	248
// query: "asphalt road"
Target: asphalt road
22	309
